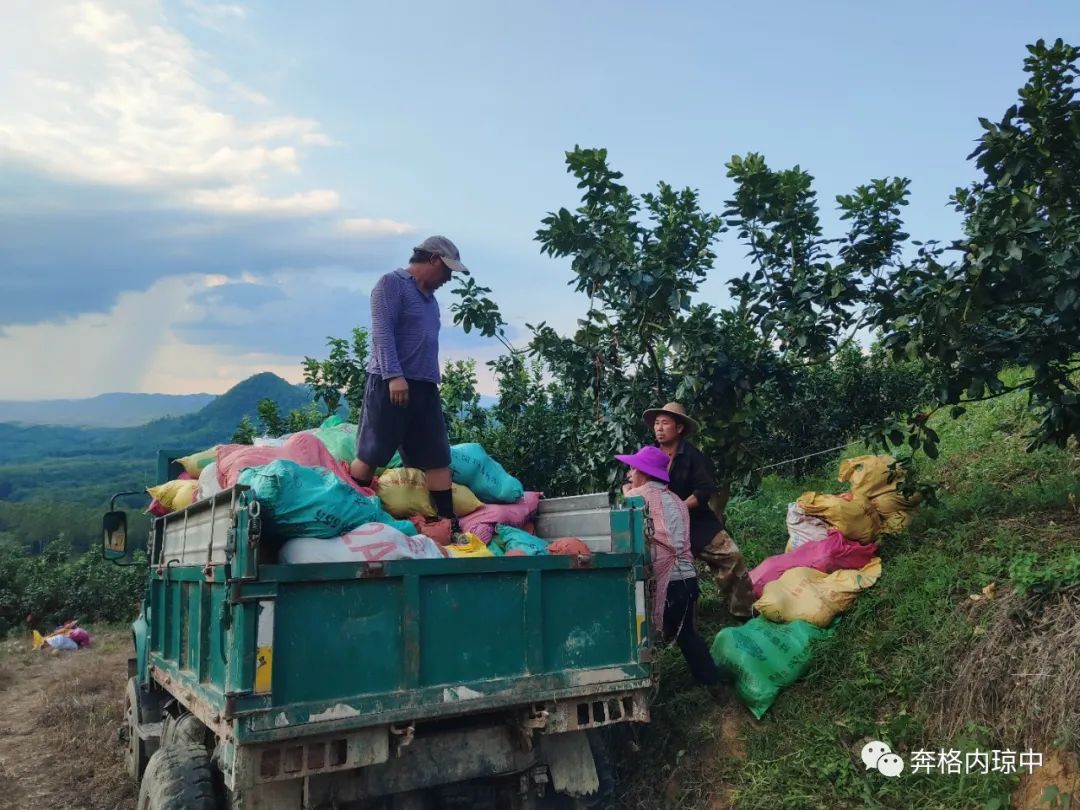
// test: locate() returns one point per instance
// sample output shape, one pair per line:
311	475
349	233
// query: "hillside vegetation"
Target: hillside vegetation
57	479
104	410
917	662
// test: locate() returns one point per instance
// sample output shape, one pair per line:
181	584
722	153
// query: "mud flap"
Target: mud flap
570	761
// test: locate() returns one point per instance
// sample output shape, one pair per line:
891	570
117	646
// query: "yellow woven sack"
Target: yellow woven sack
194	464
870	475
813	596
473	547
855	519
896	511
404	494
174	495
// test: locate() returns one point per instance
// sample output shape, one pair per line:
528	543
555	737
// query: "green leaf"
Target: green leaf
1065	298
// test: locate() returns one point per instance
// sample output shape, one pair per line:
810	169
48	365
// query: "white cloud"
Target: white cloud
215	16
247	200
97	351
376	227
114	95
133	347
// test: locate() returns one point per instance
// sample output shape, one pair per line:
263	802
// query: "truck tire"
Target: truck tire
139	709
179	778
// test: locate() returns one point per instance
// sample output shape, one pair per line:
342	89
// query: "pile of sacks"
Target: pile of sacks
302	481
831	556
68	636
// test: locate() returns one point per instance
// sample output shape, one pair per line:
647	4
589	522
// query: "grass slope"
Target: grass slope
916	662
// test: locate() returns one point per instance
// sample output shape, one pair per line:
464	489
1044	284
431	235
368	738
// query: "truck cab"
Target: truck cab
461	682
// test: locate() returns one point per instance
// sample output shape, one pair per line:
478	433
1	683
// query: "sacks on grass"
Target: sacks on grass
854	516
338	436
302	448
313	502
483	521
764	658
870	476
61	643
81	637
194	464
509	539
813	596
472	547
571	546
171	495
404	493
895	510
833	553
472	466
802	528
369	542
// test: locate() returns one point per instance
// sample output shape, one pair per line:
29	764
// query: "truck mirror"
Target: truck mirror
114	535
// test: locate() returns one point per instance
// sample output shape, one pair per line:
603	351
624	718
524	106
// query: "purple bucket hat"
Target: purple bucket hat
651	460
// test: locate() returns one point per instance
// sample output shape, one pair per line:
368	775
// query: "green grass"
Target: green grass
1007	517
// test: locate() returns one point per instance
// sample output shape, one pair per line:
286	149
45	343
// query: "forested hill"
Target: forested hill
65	463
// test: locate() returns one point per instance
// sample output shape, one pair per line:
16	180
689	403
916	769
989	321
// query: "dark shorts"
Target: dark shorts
418	429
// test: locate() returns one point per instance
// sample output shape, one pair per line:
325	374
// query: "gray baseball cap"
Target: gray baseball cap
445	250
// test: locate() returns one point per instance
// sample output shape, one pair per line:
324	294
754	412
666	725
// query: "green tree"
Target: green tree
341	377
244	433
531	429
1013	297
466	421
271	423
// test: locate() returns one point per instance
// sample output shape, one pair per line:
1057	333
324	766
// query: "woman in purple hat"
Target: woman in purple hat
673	562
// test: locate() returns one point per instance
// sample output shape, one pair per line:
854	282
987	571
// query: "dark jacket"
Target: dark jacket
691	475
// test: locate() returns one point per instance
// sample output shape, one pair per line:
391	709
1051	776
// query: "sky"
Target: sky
194	191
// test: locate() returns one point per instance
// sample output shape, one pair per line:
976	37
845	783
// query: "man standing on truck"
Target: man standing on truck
402	410
692	480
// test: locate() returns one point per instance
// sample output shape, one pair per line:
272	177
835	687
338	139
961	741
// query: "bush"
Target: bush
828	405
56	586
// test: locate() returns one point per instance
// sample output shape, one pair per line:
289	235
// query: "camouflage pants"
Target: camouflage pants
729	572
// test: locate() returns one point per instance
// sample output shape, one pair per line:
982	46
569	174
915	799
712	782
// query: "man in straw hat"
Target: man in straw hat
672	561
692	480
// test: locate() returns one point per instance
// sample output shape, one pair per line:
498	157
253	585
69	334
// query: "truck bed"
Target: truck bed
263	651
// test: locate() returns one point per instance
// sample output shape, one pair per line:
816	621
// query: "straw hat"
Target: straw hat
674	410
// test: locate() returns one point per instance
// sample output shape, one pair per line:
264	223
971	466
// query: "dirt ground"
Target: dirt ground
60	719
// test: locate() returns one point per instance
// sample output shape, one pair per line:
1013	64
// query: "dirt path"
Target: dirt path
60	716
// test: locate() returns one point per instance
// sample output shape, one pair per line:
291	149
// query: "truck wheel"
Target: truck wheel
138	710
179	778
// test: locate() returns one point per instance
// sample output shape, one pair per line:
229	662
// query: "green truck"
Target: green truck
483	682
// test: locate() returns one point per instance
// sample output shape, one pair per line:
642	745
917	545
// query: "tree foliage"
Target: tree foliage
1013	298
57	585
341	377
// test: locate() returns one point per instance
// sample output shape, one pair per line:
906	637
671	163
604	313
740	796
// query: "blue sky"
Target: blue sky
192	191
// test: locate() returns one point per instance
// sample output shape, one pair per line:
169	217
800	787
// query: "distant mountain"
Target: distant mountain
106	410
214	423
243	398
